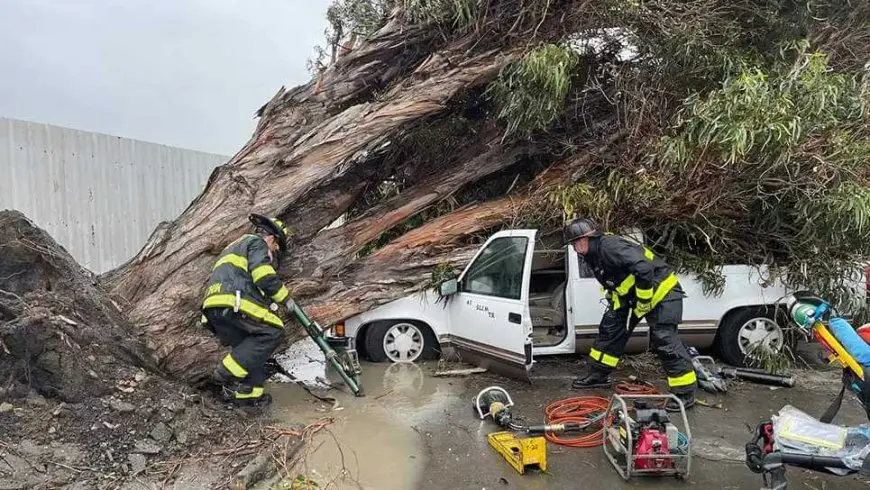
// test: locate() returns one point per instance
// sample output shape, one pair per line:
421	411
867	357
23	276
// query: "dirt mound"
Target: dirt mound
61	335
82	403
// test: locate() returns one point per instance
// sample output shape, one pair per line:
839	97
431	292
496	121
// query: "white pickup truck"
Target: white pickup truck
516	300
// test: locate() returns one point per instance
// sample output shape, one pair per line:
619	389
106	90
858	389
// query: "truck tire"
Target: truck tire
745	327
400	341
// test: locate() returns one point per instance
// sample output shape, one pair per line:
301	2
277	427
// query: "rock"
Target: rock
52	430
29	448
139	377
60	410
36	400
165	415
181	437
6	407
67	453
137	463
161	433
173	405
121	406
146	447
16	463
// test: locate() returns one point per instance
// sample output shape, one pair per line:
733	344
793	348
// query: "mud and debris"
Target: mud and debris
417	430
82	405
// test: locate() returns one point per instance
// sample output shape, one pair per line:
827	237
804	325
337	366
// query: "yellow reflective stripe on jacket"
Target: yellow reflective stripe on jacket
256	392
614	299
628	282
247	307
262	271
645	294
626	285
234	259
661	290
603	358
234	367
281	295
684	380
664	288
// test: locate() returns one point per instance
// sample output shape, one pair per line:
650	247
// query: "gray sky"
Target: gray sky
187	73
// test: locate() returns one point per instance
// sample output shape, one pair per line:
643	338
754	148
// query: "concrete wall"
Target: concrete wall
99	196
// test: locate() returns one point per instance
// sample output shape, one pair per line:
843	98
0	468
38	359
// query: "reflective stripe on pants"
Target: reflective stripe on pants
252	344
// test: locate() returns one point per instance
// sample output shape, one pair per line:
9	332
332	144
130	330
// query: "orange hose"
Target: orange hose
580	410
589	410
635	388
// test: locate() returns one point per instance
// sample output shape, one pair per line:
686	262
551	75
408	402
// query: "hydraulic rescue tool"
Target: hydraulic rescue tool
495	402
708	376
345	361
650	443
793	438
711	377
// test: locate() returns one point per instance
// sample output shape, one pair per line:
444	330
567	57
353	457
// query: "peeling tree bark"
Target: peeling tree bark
403	266
333	249
275	175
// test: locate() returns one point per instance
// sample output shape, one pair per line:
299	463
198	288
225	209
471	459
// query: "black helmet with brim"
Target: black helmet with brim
273	227
579	228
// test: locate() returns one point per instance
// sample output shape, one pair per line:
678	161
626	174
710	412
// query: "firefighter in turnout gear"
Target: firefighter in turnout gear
637	284
241	300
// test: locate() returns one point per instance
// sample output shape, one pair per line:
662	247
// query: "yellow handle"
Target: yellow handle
844	358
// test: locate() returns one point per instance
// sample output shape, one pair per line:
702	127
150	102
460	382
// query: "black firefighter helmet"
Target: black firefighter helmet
273	227
579	228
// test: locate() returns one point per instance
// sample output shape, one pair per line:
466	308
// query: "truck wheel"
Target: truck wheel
400	341
740	331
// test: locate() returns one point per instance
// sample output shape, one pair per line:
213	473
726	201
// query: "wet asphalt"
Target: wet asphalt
414	430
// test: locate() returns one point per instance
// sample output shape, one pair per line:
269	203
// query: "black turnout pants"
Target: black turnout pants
253	344
613	335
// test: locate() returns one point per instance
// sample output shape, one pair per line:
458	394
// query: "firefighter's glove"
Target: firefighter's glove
612	300
642	308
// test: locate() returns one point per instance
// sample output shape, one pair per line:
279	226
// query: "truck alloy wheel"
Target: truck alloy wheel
762	332
403	342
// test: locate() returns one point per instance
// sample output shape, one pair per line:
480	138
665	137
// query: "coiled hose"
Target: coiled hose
588	411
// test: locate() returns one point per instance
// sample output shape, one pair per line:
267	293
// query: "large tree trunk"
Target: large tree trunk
286	171
332	249
404	264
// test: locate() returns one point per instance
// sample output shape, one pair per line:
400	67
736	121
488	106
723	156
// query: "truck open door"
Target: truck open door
488	306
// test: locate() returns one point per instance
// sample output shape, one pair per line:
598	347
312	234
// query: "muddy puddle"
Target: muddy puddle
373	442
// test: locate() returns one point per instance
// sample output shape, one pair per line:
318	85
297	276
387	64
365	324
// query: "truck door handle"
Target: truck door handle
515	318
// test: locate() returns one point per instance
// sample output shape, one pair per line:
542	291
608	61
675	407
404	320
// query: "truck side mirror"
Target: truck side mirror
449	287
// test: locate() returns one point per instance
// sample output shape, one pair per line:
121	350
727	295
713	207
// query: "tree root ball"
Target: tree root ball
60	334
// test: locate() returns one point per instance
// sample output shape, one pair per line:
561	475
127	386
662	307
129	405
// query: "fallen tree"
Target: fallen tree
727	132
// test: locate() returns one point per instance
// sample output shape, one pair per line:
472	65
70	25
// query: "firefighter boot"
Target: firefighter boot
222	377
688	400
596	378
250	396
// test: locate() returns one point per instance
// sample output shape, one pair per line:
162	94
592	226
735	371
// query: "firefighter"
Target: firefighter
636	283
241	300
